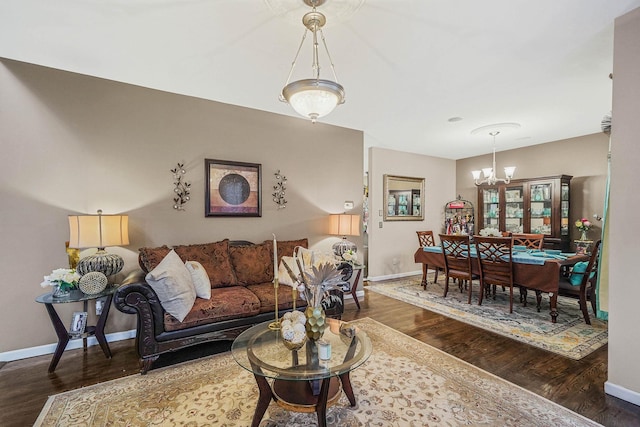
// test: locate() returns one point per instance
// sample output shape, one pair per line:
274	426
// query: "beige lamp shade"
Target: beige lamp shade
344	225
99	231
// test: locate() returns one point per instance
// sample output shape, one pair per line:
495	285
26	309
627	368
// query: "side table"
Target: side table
354	287
61	331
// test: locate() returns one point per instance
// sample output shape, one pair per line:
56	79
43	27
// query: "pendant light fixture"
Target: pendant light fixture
315	97
490	173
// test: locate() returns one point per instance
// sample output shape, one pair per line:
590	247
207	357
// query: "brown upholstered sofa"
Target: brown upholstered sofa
242	295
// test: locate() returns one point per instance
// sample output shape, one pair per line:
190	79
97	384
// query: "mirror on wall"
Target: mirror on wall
403	198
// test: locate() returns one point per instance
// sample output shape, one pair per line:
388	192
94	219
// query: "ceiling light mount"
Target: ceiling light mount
313	98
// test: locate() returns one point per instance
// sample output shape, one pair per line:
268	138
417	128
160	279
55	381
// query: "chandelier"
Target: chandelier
490	173
315	97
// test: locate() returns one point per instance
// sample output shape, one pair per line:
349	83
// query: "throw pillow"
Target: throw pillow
215	259
253	264
149	258
286	247
200	279
577	272
172	282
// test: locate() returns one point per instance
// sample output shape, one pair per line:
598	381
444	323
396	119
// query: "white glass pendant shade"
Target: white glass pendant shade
487	172
509	171
313	98
476	174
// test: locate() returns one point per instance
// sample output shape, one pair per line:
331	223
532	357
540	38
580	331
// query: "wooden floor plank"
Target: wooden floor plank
578	385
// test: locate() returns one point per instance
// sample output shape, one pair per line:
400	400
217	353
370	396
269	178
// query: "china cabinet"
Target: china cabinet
538	205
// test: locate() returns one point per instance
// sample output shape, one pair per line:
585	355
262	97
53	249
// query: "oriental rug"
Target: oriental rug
570	336
404	383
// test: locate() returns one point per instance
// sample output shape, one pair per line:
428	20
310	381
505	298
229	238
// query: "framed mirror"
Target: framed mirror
403	198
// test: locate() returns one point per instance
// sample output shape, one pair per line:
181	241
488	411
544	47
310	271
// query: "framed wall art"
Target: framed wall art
403	198
232	188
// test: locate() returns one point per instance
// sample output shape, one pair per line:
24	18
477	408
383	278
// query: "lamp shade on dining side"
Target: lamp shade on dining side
344	225
99	231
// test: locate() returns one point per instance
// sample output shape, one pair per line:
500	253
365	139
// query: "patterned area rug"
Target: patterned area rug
404	383
570	336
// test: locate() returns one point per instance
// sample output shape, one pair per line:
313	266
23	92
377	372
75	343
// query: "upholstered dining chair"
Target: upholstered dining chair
457	261
425	238
530	240
496	264
583	284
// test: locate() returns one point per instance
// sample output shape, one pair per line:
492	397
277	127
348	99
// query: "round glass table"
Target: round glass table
301	380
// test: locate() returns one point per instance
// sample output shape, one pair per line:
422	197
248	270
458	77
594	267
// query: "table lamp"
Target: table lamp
344	225
99	231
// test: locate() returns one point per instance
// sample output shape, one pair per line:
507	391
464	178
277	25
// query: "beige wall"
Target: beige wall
391	247
624	315
75	144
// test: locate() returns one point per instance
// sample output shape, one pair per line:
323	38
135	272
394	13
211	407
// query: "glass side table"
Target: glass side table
300	380
61	331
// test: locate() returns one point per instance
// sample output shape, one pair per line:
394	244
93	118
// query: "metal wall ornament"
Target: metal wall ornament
182	188
280	190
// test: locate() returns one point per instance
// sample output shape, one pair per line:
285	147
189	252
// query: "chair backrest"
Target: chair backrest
591	273
456	250
530	240
496	263
426	238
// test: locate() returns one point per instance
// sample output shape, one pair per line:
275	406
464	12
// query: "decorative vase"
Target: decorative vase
583	236
316	322
59	292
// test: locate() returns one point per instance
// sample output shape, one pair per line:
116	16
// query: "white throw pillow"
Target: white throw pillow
172	282
200	279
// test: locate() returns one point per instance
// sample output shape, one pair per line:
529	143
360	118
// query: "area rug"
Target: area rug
404	383
570	336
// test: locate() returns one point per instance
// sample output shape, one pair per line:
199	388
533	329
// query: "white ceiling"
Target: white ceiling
407	65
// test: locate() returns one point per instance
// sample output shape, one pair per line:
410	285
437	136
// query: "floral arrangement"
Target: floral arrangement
315	283
350	257
66	278
292	327
583	224
490	232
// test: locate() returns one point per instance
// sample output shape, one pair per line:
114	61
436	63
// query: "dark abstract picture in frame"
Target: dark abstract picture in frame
232	188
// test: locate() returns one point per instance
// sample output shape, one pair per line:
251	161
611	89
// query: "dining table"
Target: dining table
532	269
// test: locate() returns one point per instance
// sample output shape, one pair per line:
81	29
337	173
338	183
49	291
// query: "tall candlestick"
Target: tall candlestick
275	258
275	325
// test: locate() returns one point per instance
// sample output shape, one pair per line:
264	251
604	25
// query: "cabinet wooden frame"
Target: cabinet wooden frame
397	187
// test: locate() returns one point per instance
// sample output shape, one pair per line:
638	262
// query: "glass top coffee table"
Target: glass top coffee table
302	382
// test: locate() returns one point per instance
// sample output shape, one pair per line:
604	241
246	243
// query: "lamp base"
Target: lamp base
106	263
343	246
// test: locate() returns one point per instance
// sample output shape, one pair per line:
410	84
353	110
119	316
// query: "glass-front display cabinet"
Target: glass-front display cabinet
539	205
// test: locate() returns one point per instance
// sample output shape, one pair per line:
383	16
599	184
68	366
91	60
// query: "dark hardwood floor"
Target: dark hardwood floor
577	385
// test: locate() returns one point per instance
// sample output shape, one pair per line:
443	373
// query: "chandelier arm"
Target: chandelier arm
326	48
295	59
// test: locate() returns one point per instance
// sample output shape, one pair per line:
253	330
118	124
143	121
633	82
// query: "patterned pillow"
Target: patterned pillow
215	259
286	247
149	258
253	264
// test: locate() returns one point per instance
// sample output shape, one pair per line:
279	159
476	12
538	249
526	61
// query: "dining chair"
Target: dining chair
496	264
530	240
582	285
425	238
456	250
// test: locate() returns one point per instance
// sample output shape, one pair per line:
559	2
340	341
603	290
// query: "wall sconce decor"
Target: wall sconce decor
182	187
279	190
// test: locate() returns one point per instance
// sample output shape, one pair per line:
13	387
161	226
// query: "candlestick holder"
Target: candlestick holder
275	325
